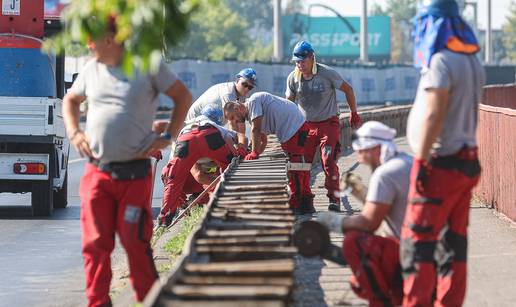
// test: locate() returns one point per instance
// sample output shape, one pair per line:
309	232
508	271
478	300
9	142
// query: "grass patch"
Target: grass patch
175	245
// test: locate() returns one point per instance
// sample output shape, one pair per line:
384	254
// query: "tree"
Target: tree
144	27
215	33
294	7
401	13
509	30
255	13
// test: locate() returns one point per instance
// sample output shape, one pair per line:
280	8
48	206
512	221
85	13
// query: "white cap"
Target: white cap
371	134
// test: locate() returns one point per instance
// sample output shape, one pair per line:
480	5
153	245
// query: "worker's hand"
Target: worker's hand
81	144
419	174
252	156
158	144
157	155
330	220
354	120
165	218
241	152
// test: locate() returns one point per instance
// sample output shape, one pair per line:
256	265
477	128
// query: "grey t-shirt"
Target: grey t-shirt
316	97
389	185
218	94
120	110
280	116
464	77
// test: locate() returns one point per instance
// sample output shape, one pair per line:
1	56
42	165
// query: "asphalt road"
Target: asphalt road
40	258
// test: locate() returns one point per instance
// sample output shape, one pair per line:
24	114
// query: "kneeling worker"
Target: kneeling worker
201	138
271	114
374	259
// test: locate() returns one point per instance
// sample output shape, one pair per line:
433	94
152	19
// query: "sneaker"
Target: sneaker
334	206
307	205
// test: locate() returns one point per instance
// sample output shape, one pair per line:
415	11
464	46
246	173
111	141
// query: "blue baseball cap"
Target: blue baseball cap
302	50
214	113
440	8
249	74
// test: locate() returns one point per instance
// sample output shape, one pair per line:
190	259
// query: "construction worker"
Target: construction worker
371	241
115	189
441	132
222	93
271	114
203	137
312	86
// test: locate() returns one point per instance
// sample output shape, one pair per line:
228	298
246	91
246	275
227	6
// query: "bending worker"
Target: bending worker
271	114
115	189
222	93
312	86
203	137
371	241
442	133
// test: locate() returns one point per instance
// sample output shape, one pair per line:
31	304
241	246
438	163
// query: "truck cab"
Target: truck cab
33	144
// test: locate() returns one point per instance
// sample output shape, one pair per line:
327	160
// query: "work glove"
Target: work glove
330	220
419	174
165	218
241	152
252	156
354	120
157	155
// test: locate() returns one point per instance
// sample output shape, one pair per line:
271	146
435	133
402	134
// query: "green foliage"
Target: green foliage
175	245
255	13
295	7
509	30
401	13
218	33
144	27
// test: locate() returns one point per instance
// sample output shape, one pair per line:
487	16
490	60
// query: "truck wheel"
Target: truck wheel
42	198
61	196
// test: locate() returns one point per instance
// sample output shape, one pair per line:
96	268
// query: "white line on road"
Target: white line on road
76	160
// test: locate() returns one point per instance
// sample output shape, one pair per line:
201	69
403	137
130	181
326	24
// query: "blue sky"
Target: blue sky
353	8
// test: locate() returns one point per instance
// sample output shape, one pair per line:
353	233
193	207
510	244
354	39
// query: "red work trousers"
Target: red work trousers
191	186
375	263
207	142
299	181
110	206
326	136
434	233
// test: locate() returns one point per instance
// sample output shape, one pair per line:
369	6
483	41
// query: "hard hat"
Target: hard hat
249	74
302	50
371	134
440	8
214	113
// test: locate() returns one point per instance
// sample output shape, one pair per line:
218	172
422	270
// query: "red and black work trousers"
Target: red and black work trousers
110	206
434	234
326	136
299	181
375	263
204	141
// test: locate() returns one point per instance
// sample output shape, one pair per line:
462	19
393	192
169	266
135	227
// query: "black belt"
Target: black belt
470	168
127	170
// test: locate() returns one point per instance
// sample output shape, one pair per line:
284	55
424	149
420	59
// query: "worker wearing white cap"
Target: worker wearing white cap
374	258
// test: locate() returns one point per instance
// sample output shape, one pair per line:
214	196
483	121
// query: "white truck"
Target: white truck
33	144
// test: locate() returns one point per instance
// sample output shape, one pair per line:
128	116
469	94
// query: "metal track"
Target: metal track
241	254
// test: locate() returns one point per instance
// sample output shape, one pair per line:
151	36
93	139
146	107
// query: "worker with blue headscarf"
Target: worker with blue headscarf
441	132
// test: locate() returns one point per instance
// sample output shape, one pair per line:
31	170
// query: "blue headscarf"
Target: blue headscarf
438	26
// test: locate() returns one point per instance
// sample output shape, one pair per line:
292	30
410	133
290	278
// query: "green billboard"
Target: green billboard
337	37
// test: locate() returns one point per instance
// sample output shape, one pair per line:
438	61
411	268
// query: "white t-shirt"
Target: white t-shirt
280	116
464	77
389	185
218	94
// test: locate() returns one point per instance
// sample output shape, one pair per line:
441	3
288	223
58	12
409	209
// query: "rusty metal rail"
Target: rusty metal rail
241	254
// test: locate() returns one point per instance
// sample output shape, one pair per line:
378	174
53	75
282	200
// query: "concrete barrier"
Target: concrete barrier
497	149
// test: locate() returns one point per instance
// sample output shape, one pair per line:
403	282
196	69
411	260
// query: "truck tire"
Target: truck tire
61	195
42	198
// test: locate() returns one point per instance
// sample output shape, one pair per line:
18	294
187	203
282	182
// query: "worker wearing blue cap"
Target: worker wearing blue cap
441	131
312	87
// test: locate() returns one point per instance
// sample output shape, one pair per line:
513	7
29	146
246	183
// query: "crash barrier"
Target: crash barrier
371	84
394	117
497	149
241	254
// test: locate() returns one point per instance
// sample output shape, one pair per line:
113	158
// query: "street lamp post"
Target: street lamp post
363	34
278	43
488	34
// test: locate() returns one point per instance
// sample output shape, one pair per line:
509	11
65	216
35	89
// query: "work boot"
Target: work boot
307	205
333	206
